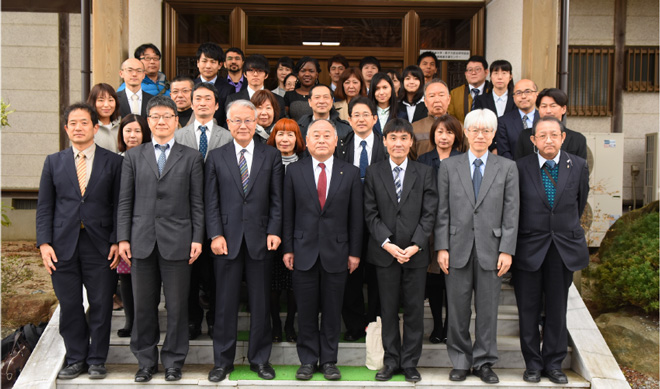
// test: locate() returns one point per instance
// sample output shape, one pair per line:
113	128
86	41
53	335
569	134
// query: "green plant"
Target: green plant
4	218
15	271
4	113
628	274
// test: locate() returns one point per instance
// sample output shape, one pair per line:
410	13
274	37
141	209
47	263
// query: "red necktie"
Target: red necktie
323	182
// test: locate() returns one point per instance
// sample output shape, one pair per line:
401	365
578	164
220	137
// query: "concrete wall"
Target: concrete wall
145	24
504	19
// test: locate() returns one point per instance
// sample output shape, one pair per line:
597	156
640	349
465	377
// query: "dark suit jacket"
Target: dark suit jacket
346	149
575	143
224	90
330	234
168	210
540	225
433	159
125	106
238	216
420	112
406	222
343	128
487	101
61	208
509	127
244	95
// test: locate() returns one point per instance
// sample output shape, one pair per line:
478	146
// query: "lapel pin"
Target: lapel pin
341	172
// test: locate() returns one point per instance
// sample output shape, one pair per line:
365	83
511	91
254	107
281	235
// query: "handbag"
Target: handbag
374	343
13	363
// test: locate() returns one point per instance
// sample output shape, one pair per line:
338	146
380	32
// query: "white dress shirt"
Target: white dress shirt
357	149
328	172
212	81
542	160
89	159
383	115
248	154
500	102
252	91
129	96
167	152
472	158
198	132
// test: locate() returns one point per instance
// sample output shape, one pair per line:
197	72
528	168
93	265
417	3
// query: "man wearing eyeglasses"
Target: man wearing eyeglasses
244	222
475	236
133	99
512	123
160	229
320	100
462	97
181	93
154	81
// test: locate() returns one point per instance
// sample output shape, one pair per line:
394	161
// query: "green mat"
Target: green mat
288	372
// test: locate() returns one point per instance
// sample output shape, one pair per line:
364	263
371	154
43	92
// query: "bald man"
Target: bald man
512	123
133	99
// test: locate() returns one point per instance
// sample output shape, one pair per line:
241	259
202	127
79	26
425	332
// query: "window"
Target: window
642	69
590	75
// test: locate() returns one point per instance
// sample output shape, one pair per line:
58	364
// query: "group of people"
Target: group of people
382	178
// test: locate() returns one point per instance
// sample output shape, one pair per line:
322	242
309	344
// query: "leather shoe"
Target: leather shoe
486	374
124	332
145	374
350	337
305	372
97	371
458	374
210	332
330	371
264	370
290	334
220	373
193	331
172	374
71	371
386	373
532	375
411	374
555	376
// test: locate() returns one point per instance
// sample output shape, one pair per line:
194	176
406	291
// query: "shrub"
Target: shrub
15	271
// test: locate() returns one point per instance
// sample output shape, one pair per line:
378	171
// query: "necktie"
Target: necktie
322	185
549	177
475	93
81	171
203	141
525	125
397	182
242	165
162	158
364	160
476	177
135	104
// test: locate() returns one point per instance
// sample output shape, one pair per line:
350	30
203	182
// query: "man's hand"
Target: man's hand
353	263
288	260
410	251
195	250
395	251
273	242
219	245
114	256
443	261
125	251
48	257
503	264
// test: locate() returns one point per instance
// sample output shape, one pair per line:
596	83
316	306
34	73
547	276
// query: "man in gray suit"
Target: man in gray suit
203	134
160	228
475	235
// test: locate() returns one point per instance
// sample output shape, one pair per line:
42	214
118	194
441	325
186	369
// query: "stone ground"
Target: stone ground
33	300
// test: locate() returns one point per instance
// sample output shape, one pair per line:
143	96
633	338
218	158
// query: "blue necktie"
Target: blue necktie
162	157
242	165
475	93
203	141
476	177
364	160
550	171
397	182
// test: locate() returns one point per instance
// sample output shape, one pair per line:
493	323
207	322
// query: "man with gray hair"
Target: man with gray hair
244	222
436	99
475	236
322	244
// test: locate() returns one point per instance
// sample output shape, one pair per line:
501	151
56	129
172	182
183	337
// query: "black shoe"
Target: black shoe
172	374
97	372
350	337
555	376
277	336
145	374
290	334
264	370
531	375
220	373
458	374
435	339
193	331
412	375
486	374
72	371
210	332
124	332
386	373
305	372
330	371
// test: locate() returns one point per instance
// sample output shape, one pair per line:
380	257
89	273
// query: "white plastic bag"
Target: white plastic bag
374	343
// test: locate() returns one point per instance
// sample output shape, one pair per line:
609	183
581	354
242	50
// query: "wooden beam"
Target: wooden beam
620	13
539	42
109	40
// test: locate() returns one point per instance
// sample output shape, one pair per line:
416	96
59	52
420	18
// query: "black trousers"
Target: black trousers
202	276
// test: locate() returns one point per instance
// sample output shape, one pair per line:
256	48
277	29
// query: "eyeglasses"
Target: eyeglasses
131	70
255	71
474	70
157	118
150	59
180	91
240	122
546	136
483	131
519	93
361	115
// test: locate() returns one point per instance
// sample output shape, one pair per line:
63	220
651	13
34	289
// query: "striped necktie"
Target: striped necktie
242	165
81	171
397	182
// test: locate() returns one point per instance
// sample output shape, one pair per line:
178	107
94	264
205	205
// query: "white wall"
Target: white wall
145	24
504	25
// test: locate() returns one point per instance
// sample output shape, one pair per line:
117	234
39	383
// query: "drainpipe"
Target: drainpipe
85	50
563	47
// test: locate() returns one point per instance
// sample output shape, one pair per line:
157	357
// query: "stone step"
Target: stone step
350	353
121	376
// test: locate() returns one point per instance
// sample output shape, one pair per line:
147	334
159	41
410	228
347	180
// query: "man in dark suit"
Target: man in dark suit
362	148
400	204
160	228
462	97
322	244
244	220
554	186
499	100
77	237
511	124
553	102
475	236
133	99
320	100
209	62
255	70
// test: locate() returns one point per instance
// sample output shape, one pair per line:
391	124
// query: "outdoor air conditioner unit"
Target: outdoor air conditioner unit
651	171
604	204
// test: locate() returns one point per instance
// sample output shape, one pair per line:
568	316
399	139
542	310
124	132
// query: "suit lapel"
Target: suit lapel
257	162
408	181
69	163
97	168
215	136
490	172
175	155
229	155
335	181
308	177
465	177
387	177
125	108
190	135
565	172
350	152
532	169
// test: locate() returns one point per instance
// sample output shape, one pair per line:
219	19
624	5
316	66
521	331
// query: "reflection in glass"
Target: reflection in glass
203	28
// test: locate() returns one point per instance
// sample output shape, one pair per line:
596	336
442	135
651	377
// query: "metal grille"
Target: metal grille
642	69
590	80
